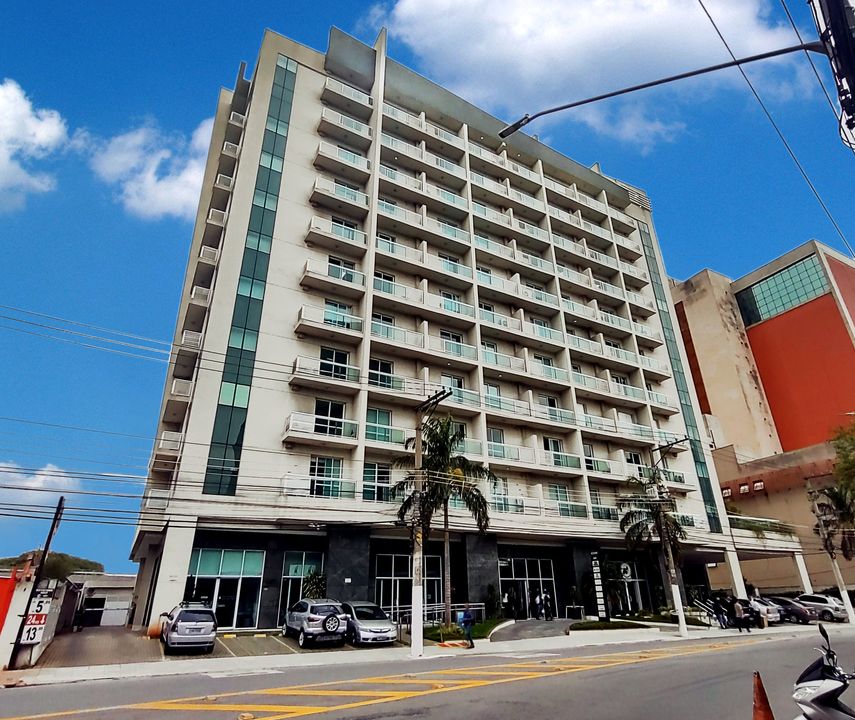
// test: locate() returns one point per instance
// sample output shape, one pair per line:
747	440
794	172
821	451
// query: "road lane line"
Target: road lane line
225	707
284	644
228	650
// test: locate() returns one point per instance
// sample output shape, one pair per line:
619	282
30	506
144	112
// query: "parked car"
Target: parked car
774	612
794	611
188	626
368	623
316	620
828	608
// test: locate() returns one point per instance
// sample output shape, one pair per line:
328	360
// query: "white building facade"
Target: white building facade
363	239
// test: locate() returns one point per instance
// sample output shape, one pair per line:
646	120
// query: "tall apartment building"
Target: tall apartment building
773	360
363	238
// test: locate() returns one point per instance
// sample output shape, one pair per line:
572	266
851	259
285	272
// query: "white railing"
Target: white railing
438	302
575	308
309	423
331	488
532	230
490	214
388	287
498	320
224	182
497	359
327	316
346	121
217	217
453	348
449	266
399	178
235	118
538	295
200	295
634	297
516	453
398	250
398	335
315	367
328	227
209	254
493	246
343	154
318	267
348	91
170	441
542	331
584	344
191	340
330	187
549	372
231	149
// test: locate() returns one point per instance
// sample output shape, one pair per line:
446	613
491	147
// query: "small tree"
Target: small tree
447	477
844	446
650	518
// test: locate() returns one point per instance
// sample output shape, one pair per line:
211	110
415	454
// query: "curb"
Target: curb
500	626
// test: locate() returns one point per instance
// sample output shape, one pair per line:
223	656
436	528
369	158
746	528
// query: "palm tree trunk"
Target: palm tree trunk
446	566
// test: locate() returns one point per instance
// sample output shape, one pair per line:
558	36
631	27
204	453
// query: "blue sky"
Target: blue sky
98	166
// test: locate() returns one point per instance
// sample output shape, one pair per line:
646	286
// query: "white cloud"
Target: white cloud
156	175
40	487
514	57
26	134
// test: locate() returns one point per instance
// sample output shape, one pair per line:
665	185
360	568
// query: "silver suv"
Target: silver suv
316	620
828	608
188	626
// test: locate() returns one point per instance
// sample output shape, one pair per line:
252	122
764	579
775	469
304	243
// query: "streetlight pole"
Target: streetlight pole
663	496
417	643
816	47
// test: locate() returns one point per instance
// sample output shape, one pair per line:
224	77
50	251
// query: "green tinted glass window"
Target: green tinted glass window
209	562
232	562
787	288
253	562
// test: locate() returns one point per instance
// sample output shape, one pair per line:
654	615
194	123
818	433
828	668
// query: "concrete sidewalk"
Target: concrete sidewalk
260	664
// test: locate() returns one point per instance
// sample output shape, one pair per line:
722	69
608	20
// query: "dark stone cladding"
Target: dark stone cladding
482	566
347	557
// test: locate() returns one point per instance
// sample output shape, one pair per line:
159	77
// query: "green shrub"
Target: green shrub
605	625
480	630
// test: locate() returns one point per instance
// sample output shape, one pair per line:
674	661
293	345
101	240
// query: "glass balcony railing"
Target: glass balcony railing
376	432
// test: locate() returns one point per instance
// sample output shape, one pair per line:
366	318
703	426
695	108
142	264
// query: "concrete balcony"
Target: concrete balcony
339	198
400	340
628	247
329	278
434	230
167	451
348	99
345	128
393	295
217	218
311	429
398	152
177	401
187	353
755	535
621	221
635	272
384	435
531	230
209	255
329	324
342	162
646	335
335	236
319	487
314	373
457	354
663	402
645	306
490	219
419	128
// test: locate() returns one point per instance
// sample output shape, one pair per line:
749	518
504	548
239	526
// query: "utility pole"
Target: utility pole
57	516
824	536
663	496
417	616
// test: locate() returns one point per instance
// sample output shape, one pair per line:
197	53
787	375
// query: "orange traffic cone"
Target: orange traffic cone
762	709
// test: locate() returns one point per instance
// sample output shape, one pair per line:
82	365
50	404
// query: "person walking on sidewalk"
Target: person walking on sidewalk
741	619
468	620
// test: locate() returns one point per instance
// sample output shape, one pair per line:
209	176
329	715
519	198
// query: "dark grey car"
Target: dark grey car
794	611
368	623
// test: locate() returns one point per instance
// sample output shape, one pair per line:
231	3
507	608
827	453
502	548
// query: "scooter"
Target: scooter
817	691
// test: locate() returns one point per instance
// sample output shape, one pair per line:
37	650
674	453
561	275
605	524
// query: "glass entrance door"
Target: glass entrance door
522	582
226	602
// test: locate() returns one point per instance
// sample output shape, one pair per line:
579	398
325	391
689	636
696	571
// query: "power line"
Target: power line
780	134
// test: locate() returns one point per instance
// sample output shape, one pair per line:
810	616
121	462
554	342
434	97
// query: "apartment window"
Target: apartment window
612	343
337	313
483	269
451	337
453	382
341	269
377	482
588	450
576	368
387	238
329	417
553	445
544	360
449	258
346	229
495	435
380	373
378	425
384	282
325	480
534	286
620	379
487	307
633	458
540	322
547	400
346	190
492	395
382	319
596	496
334	363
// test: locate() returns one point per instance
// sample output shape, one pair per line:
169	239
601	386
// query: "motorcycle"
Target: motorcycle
818	689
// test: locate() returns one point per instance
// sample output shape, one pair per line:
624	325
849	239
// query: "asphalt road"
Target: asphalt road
697	679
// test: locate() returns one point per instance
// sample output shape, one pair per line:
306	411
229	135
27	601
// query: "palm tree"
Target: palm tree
835	509
447	478
650	518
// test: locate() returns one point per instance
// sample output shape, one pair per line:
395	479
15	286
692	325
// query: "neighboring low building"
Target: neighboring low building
106	598
773	362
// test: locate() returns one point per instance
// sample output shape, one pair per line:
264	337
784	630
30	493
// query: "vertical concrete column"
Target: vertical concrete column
804	578
737	584
174	563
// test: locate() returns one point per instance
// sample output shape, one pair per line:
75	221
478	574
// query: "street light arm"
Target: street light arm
816	47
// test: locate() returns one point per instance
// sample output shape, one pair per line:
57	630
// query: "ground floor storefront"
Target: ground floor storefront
252	578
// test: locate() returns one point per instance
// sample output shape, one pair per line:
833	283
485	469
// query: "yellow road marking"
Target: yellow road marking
550	668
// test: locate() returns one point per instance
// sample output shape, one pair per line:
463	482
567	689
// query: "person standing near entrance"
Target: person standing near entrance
547	605
468	620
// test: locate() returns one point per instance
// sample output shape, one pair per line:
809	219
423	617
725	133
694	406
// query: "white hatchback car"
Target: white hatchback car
188	626
828	608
